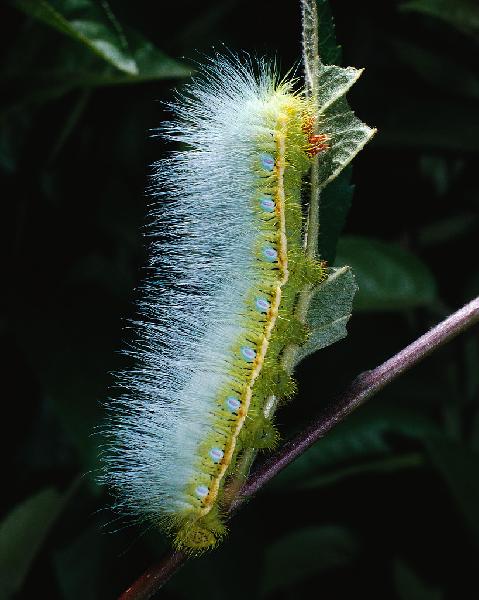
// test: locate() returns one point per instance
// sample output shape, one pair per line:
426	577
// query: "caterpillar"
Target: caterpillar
227	262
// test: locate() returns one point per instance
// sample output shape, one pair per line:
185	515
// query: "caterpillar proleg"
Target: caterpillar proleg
227	229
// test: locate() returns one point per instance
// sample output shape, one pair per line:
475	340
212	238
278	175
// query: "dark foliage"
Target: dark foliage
387	506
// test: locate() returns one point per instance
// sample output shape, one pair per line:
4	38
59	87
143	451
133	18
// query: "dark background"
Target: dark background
387	506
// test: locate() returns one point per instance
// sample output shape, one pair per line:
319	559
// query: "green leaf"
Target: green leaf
334	205
388	277
38	71
152	63
360	443
410	587
305	553
462	14
459	466
84	71
336	197
329	311
449	229
329	50
347	136
334	82
22	533
86	23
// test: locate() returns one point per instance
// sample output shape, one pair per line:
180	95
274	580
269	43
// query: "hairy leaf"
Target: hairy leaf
348	135
329	311
334	82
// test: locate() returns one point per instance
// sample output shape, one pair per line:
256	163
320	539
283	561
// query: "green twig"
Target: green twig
312	64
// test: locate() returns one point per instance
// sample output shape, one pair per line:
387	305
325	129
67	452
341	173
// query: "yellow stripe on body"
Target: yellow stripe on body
280	165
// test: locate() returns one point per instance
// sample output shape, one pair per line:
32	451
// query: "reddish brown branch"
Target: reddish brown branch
154	578
363	387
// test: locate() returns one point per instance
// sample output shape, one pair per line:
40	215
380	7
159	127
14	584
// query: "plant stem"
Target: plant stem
310	36
312	64
155	577
363	387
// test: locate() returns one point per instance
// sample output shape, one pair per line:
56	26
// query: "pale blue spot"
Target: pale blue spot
267	161
216	454
232	403
248	353
262	305
267	203
270	254
202	491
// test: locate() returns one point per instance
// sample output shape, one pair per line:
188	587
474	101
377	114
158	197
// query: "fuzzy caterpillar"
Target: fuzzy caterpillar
229	235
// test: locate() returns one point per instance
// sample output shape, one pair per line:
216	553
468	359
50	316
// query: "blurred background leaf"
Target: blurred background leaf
438	69
389	277
89	49
460	468
366	441
22	533
304	554
385	506
126	56
463	14
410	587
85	22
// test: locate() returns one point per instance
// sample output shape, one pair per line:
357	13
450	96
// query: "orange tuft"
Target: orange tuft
317	143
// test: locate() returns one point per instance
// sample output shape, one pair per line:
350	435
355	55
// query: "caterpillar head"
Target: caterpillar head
201	534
